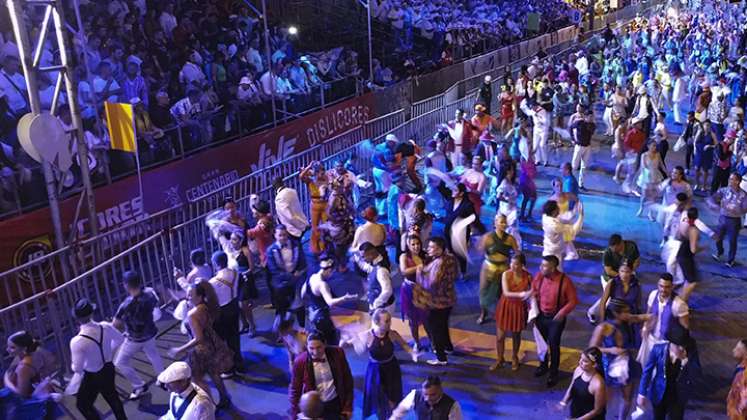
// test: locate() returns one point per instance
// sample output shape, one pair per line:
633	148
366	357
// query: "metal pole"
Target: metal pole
15	10
269	62
71	85
370	44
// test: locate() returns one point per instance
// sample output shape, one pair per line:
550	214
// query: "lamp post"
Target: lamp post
370	44
268	57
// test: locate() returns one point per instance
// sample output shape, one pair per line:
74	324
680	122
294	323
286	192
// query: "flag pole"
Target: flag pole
137	158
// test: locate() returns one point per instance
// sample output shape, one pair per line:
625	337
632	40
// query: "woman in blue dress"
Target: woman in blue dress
383	389
26	395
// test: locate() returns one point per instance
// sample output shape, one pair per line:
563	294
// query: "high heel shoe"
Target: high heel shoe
497	365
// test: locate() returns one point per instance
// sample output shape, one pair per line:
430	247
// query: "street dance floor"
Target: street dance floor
718	321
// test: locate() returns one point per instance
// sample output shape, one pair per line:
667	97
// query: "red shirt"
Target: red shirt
634	140
548	293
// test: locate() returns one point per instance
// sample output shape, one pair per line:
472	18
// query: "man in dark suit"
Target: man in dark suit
670	376
323	369
459	208
286	265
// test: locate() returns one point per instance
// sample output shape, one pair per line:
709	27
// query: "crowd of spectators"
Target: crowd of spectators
198	73
199	67
454	28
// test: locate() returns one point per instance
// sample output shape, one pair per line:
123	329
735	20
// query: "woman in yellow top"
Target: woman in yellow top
498	246
315	178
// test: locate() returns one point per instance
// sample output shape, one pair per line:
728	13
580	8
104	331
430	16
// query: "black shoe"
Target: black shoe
730	264
540	371
223	404
552	380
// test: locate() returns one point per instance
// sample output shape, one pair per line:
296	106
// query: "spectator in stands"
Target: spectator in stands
185	112
13	86
191	73
105	87
148	135
134	85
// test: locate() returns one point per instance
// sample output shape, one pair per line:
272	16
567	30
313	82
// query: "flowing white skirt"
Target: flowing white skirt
459	239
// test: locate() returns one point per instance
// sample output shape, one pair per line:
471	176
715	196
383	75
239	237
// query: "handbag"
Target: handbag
680	144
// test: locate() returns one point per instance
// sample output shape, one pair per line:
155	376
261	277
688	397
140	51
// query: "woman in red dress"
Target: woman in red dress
511	313
507	108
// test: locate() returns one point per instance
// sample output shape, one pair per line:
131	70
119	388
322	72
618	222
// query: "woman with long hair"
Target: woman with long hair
512	310
587	393
688	235
649	178
27	392
206	353
410	293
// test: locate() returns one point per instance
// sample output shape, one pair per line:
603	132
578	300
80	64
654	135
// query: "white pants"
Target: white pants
582	159
457	156
123	360
678	117
539	145
607	117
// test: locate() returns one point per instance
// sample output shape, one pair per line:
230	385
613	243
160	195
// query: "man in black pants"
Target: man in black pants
438	278
91	353
556	295
226	285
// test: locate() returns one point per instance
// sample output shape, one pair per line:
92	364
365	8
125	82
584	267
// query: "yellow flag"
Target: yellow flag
121	126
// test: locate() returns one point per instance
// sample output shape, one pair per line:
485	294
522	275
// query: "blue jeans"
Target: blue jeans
729	227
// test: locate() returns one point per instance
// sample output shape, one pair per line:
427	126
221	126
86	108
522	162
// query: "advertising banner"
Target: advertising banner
120	203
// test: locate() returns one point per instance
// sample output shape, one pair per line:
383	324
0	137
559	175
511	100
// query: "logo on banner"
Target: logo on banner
267	158
32	250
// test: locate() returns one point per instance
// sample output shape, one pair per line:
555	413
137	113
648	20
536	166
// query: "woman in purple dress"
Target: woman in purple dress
409	262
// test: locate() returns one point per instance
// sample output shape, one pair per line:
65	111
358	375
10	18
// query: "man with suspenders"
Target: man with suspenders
187	400
91	353
556	296
226	285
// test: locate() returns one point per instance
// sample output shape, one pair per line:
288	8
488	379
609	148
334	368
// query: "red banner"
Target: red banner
30	235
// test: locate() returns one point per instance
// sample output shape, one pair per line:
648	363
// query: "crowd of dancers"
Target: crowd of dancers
475	168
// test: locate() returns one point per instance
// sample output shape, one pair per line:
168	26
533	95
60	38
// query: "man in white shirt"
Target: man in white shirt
91	353
191	74
226	286
187	400
555	230
428	402
168	20
13	84
104	86
666	309
541	132
289	210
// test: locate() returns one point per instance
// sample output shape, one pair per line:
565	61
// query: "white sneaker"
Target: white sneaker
138	392
436	362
